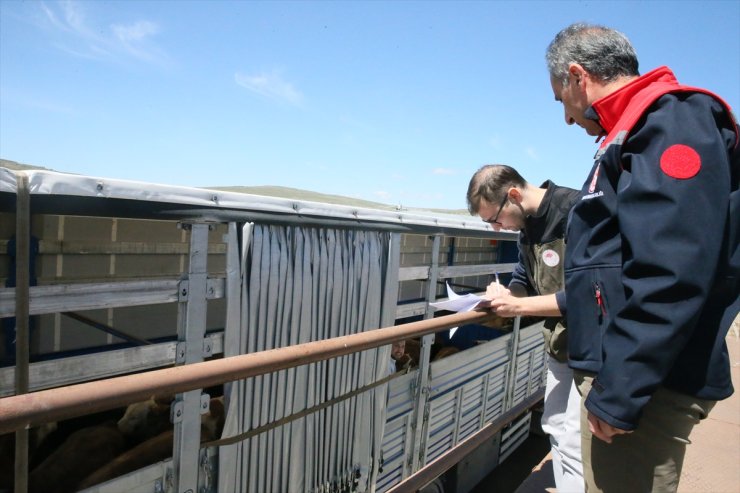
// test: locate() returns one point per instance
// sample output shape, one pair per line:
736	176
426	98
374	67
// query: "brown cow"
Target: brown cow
157	448
83	452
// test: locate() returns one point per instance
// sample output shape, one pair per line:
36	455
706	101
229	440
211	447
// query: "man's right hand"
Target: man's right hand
504	304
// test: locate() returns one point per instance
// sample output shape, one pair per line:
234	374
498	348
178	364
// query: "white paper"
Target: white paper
457	303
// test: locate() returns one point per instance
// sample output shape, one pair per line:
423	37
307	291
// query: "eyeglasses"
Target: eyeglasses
494	219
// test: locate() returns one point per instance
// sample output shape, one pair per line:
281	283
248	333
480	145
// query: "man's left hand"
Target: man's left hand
603	430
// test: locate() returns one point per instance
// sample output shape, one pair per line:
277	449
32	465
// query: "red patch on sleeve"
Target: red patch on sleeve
680	161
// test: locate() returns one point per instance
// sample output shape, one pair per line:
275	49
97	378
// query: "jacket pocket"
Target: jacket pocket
593	296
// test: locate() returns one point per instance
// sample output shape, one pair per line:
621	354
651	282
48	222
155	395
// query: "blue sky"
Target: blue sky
397	102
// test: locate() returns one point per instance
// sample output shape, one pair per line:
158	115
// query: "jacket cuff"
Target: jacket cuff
592	405
560	300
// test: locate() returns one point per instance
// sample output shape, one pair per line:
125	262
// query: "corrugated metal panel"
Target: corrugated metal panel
466	388
514	435
396	437
441	425
496	392
530	361
458	369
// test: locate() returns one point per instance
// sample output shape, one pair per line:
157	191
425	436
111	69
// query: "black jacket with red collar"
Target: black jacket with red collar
653	266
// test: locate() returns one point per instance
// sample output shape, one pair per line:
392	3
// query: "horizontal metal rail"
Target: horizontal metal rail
89	247
103	364
422	272
107	329
54	298
473	270
17	412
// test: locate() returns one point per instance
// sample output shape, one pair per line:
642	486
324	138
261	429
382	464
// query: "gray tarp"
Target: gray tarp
299	285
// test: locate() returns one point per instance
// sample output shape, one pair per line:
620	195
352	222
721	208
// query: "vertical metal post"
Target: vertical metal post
187	407
390	292
22	295
388	310
433	276
484	400
513	363
421	411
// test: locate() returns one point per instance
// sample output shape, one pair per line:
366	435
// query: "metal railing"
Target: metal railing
26	410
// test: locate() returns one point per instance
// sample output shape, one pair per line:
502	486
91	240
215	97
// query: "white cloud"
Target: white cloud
270	85
532	153
444	171
134	39
382	194
135	32
117	43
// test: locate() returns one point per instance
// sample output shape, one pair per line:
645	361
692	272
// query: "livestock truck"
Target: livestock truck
115	291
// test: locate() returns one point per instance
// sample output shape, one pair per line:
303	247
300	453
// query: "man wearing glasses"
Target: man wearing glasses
502	198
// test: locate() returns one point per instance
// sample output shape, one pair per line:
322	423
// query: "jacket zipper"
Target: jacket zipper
599	300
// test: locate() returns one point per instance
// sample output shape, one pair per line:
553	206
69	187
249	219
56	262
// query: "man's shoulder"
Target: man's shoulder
564	197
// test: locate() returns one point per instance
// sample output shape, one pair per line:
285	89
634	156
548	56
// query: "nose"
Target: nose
569	120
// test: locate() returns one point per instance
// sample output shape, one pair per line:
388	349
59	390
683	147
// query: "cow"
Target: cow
82	452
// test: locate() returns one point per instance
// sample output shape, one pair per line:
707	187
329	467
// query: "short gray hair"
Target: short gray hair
606	54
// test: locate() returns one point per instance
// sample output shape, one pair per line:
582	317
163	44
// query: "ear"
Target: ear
577	74
515	195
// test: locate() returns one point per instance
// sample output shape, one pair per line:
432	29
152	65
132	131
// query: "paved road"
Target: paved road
712	463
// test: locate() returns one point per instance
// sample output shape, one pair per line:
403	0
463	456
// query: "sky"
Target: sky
395	102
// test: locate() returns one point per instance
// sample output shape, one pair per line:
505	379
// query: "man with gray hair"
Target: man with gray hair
652	268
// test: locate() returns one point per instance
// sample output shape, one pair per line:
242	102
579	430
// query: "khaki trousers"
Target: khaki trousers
651	457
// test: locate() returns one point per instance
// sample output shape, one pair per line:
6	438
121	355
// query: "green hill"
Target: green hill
282	192
19	166
298	194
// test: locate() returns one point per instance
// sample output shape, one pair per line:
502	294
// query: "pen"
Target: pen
498	284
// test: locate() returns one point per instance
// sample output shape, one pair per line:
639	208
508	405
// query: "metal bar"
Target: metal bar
421	409
513	364
75	369
88	247
433	275
411	309
436	468
92	296
388	309
20	411
446	272
22	288
191	330
473	270
241	210
391	280
107	329
413	273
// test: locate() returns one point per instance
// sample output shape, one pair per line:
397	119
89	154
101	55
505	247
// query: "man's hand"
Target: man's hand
494	290
504	304
500	300
602	430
